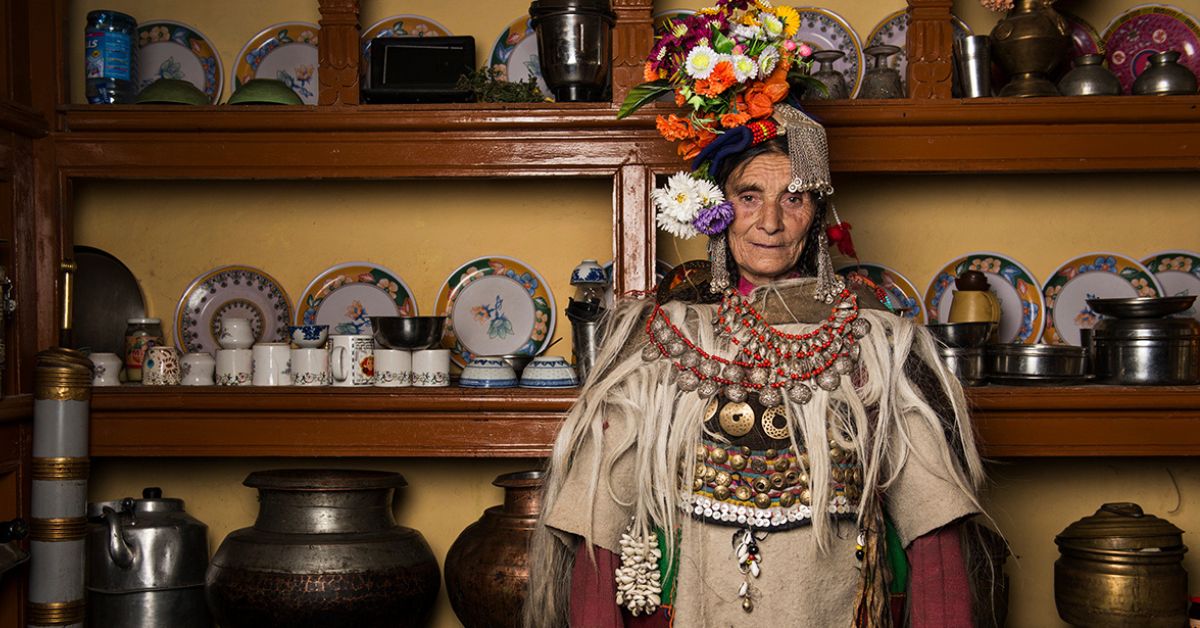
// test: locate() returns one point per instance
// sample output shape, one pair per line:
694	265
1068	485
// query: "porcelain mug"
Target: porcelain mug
234	367
197	369
160	367
352	360
272	364
431	367
236	333
393	367
310	367
974	306
106	369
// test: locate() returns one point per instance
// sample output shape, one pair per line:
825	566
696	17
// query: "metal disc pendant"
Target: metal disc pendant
688	381
829	380
759	376
843	364
651	353
676	348
734	373
737	419
800	393
770	397
860	327
734	392
690	359
708	368
707	388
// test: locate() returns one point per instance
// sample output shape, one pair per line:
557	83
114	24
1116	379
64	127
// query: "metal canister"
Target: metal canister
146	564
575	46
1121	567
1155	351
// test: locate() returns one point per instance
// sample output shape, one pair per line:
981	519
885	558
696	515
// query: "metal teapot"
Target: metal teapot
146	564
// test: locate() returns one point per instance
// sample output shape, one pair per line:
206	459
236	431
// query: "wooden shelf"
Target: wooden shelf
133	421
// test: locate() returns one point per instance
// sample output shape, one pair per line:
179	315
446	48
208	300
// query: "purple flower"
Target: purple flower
713	220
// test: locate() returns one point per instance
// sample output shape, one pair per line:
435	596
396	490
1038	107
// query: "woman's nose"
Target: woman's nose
771	219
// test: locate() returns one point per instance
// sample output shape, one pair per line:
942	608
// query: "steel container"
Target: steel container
1035	364
1147	351
574	46
966	363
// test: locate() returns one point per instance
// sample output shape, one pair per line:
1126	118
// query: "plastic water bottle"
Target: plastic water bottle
109	42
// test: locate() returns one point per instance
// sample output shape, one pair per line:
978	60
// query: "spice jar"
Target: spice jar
140	335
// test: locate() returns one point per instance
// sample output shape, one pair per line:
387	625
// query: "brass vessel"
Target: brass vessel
1029	43
1121	567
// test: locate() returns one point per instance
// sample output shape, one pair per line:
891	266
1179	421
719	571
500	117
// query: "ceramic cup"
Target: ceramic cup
310	367
234	367
308	336
431	367
393	368
272	364
970	306
197	369
236	333
488	373
548	371
106	369
160	366
352	360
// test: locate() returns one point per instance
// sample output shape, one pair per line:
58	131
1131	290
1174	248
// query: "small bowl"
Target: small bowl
308	336
487	373
961	335
548	371
1141	307
411	333
167	91
588	271
262	91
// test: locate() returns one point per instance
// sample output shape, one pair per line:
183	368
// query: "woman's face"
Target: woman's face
769	222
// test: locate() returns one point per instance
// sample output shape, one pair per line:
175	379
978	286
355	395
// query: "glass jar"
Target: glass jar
109	41
140	335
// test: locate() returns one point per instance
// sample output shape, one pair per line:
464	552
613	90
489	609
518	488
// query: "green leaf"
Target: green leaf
643	94
721	43
805	84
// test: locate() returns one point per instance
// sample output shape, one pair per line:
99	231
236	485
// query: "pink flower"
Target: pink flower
805	51
789	45
739	49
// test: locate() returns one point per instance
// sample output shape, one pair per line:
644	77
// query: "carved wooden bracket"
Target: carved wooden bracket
632	38
930	49
338	53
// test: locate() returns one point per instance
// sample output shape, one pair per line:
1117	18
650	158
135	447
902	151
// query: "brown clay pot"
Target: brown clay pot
325	552
487	568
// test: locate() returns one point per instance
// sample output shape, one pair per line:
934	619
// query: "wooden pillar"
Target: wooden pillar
632	38
633	228
930	49
338	53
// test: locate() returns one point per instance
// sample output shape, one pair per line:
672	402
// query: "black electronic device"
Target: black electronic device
418	69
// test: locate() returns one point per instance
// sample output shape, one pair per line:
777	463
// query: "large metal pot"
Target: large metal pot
1029	43
1161	351
487	568
1121	567
325	552
574	46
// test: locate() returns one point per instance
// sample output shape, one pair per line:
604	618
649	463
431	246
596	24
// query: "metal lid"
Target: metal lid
1121	526
324	480
144	321
1035	349
1146	329
542	8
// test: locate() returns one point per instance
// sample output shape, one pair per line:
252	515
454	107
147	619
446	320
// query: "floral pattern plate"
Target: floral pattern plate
1084	38
1022	311
496	306
515	55
893	30
175	50
346	296
1179	274
1095	275
1137	34
235	292
903	294
287	52
406	25
823	29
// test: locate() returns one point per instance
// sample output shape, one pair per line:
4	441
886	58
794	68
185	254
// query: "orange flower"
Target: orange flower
680	100
720	80
649	73
731	120
674	128
762	95
689	148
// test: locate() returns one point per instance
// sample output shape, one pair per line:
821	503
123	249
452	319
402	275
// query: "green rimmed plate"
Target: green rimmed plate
1179	274
1022	310
346	296
174	50
1095	275
287	52
901	291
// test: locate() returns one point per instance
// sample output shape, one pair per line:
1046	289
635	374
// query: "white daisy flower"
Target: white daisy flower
708	193
701	61
746	32
767	60
677	204
681	230
772	26
744	68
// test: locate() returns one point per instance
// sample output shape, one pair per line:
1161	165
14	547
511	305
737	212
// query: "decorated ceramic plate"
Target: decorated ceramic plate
1022	311
286	51
177	51
823	29
234	292
1179	274
893	30
1084	38
1137	34
903	294
515	55
1095	275
405	25
346	296
496	306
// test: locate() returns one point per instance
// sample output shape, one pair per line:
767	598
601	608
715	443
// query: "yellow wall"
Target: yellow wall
168	233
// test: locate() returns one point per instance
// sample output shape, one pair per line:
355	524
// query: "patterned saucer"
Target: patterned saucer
893	30
515	55
1022	310
1137	34
346	296
235	292
902	292
1084	38
1095	275
287	52
405	25
175	50
1179	274
823	29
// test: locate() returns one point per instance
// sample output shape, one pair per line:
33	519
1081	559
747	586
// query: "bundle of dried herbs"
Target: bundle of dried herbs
487	87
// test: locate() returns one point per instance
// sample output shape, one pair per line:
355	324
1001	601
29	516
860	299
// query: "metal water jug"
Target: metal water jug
146	564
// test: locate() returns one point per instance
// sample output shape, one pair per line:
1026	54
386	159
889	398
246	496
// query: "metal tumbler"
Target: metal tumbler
974	66
574	46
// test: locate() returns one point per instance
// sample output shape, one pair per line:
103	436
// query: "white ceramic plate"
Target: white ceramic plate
1022	309
287	52
823	29
175	50
1095	275
515	55
893	30
347	295
234	292
902	292
1179	274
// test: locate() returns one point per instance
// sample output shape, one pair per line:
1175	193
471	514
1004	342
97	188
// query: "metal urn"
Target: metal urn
1089	77
1121	567
487	568
146	563
324	552
1165	76
1029	43
574	46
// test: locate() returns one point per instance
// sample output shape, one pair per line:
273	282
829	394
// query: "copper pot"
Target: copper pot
487	568
1121	567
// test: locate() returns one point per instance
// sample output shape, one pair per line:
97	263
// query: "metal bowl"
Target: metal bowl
961	335
1141	307
1035	364
410	333
518	362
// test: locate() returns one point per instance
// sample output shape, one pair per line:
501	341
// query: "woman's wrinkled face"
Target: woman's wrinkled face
769	222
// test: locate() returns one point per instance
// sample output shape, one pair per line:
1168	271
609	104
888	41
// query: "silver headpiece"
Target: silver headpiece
808	149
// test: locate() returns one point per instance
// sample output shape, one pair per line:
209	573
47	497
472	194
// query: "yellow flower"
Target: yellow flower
765	5
791	20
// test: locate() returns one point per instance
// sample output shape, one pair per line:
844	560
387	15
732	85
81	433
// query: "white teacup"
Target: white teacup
234	367
106	369
236	333
431	367
272	364
197	369
310	367
352	359
160	366
393	367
